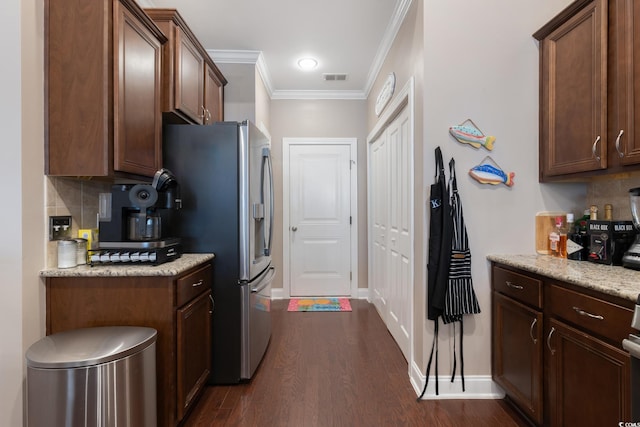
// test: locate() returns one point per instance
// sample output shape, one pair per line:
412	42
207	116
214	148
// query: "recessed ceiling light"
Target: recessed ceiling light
307	64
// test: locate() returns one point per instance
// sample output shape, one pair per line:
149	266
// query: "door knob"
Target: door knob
294	228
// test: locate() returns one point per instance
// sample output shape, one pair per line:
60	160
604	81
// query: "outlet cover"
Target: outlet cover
59	227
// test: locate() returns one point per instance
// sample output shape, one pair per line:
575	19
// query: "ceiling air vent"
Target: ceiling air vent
334	77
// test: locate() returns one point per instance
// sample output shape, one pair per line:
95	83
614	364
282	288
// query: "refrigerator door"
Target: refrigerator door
256	321
256	211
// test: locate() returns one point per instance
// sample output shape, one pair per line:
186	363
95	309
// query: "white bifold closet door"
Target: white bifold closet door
391	204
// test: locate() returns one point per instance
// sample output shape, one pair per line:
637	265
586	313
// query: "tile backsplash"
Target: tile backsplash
77	198
613	190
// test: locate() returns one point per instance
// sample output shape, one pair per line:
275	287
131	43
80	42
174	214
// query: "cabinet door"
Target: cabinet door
588	380
517	354
213	97
626	81
573	109
194	349
189	82
137	85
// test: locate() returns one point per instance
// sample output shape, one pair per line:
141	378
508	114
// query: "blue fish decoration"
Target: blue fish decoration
489	174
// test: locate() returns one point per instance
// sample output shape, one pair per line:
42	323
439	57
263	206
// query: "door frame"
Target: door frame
404	99
286	249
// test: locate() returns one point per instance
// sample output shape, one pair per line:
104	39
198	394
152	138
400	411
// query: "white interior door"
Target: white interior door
320	220
391	205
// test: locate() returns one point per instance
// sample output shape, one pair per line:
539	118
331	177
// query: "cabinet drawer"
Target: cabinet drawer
605	319
518	286
193	284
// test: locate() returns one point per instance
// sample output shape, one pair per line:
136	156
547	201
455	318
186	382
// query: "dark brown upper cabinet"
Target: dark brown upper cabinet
102	89
192	89
590	90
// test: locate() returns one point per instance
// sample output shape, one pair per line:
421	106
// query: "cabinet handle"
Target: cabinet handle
535	341
549	340
593	148
514	286
207	115
198	283
213	304
587	314
620	153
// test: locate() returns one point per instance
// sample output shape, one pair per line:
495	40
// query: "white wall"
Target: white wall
22	211
481	62
10	215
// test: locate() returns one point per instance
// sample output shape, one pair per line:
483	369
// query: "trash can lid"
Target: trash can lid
89	346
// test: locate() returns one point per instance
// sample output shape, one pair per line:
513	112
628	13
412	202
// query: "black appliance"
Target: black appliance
135	222
632	345
226	183
631	258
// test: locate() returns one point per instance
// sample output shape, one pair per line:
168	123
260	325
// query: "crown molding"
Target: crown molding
390	34
253	57
319	94
256	57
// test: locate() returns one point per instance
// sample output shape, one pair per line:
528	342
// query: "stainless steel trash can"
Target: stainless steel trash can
103	376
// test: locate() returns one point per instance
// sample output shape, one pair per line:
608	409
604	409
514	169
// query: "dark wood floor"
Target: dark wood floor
336	369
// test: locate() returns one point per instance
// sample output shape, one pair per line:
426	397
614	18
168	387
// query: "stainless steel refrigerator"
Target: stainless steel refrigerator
225	177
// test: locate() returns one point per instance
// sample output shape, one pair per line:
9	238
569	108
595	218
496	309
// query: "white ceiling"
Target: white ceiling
346	36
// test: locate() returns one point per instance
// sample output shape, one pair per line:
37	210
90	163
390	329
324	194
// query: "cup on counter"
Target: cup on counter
81	251
67	253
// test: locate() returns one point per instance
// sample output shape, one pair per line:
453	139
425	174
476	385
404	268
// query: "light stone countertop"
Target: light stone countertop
171	268
612	280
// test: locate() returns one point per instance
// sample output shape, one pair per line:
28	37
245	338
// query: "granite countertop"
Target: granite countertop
172	268
612	280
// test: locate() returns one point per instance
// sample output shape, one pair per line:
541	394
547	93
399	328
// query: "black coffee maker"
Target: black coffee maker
135	222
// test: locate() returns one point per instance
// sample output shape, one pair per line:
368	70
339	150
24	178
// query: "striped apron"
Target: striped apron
460	298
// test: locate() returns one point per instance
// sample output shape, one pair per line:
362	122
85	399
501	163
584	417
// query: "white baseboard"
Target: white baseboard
476	386
278	293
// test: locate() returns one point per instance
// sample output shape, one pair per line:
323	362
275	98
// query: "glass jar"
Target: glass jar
67	253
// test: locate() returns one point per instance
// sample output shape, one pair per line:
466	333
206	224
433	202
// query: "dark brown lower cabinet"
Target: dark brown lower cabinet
588	381
517	355
179	307
557	350
194	353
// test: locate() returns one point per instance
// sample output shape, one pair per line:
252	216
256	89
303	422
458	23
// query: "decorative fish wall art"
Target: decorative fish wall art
468	133
488	172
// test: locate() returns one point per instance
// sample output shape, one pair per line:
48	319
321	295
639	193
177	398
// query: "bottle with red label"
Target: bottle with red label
558	239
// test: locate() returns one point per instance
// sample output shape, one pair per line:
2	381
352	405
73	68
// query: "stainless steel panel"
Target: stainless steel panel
256	321
117	393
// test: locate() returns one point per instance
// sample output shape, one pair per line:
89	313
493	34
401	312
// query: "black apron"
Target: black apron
440	232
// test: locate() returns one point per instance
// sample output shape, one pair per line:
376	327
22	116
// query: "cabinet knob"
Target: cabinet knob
535	341
514	286
549	340
581	312
294	228
593	148
620	153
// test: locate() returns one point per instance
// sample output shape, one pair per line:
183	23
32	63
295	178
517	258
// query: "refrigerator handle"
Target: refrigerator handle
266	281
266	156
